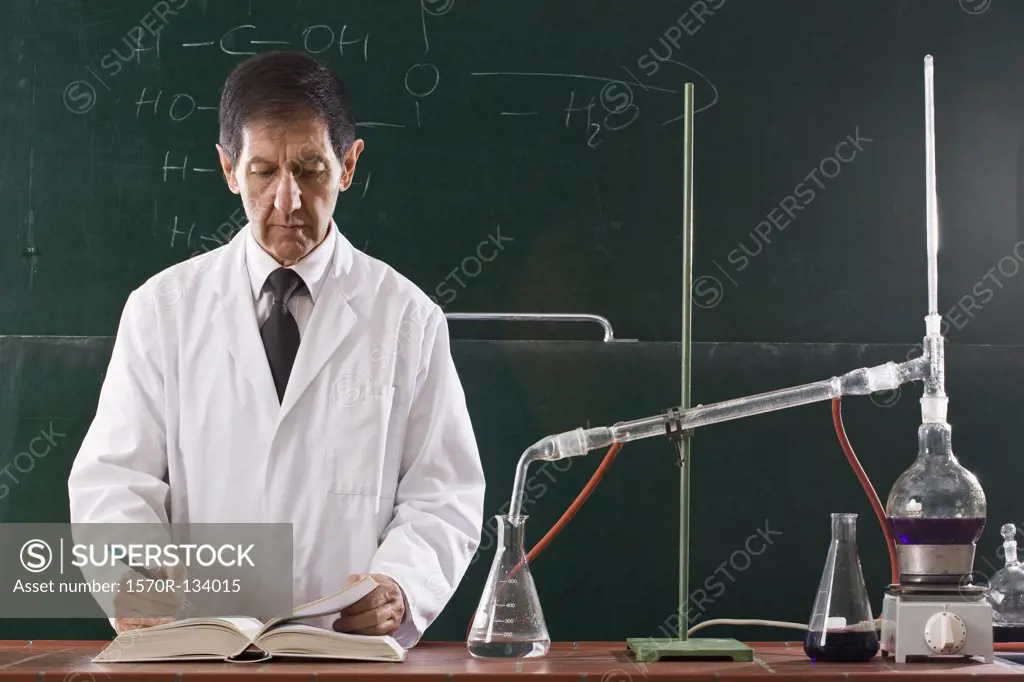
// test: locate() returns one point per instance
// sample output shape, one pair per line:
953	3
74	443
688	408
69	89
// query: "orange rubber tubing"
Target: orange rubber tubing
598	474
595	478
1009	646
844	442
869	490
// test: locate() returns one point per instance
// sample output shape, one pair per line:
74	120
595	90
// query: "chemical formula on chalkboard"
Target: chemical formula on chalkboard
592	107
614	107
420	80
177	106
315	40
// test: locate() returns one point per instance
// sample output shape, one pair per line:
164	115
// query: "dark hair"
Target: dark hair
279	87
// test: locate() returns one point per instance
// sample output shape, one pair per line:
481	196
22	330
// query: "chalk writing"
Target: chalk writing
179	106
212	239
592	127
425	79
183	167
420	81
434	8
175	232
315	39
567	75
618	109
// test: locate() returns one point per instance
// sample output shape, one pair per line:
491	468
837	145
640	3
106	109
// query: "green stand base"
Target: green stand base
654	648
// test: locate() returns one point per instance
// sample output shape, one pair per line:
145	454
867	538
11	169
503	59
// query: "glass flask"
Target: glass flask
509	622
936	501
842	628
1005	591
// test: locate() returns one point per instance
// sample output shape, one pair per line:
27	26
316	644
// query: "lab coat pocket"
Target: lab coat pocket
358	445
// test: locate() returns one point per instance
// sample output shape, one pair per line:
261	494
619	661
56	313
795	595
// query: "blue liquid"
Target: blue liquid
952	531
841	647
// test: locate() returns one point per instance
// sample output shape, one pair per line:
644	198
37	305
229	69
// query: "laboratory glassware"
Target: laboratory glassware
841	628
1005	591
929	572
509	622
936	509
936	512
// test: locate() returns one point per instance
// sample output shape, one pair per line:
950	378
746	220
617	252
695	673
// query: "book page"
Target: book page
325	606
300	640
335	602
250	627
191	639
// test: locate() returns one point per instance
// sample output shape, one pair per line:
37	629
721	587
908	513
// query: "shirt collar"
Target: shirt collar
311	269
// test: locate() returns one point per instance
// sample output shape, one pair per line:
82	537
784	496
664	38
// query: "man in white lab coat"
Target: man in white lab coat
288	377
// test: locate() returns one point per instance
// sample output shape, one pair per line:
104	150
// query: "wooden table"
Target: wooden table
67	661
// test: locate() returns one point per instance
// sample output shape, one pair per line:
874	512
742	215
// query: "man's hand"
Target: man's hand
125	624
378	613
139	604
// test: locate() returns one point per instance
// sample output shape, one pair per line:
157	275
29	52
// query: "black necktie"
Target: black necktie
280	332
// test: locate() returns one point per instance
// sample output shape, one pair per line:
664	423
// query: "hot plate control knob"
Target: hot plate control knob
945	633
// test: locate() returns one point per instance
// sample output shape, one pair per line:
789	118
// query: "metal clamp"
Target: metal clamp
675	432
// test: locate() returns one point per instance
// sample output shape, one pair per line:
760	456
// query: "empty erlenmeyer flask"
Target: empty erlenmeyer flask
509	622
841	626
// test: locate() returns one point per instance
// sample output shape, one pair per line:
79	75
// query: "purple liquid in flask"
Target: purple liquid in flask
936	531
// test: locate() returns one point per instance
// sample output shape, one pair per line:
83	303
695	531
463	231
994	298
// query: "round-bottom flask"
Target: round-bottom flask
936	513
509	622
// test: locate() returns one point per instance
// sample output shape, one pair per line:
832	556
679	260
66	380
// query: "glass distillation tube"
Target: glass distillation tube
936	508
841	628
509	622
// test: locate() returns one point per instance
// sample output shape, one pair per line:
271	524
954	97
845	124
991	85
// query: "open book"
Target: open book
244	639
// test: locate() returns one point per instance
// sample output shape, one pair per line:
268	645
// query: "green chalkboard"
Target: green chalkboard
557	123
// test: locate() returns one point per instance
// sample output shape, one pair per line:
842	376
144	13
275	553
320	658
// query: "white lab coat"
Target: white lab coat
370	454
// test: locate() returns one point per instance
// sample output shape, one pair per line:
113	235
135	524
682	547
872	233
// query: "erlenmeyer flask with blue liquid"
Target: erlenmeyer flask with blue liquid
841	628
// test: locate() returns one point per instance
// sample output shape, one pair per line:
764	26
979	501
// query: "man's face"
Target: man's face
289	178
